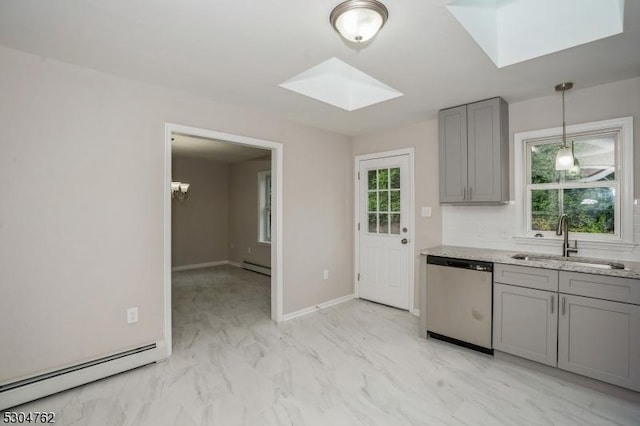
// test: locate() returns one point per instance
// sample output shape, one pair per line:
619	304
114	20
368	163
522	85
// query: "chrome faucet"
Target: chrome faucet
563	229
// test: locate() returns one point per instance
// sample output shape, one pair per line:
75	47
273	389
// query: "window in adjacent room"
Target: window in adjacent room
264	207
596	193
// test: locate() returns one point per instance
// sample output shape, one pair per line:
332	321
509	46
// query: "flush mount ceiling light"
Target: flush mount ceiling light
358	20
564	158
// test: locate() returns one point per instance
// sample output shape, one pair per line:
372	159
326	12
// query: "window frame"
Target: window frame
265	209
622	239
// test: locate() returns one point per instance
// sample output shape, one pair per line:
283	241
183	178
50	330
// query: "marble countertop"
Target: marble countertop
632	269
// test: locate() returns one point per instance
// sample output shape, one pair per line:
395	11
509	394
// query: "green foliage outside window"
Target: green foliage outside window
578	193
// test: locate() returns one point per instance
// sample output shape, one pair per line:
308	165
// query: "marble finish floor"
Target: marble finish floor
357	363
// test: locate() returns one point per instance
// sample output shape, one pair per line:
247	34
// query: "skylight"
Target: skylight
512	31
341	85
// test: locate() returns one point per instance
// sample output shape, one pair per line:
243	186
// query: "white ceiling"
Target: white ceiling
185	146
239	51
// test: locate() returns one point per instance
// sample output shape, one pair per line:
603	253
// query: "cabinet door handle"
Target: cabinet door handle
464	193
553	302
470	193
564	303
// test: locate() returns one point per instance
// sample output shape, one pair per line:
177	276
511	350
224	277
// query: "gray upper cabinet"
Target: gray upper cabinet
474	153
452	134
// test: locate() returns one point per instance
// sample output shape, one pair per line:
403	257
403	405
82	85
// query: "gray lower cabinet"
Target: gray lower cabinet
584	323
525	322
600	339
474	153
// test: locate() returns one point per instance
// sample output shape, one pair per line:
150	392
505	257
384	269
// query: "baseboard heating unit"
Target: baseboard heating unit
265	270
29	389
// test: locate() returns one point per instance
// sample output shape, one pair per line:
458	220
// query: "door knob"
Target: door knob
404	241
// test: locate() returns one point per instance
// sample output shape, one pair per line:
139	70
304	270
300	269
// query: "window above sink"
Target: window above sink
596	194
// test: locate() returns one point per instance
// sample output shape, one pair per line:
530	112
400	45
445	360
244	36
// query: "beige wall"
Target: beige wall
423	137
81	231
199	224
243	221
318	218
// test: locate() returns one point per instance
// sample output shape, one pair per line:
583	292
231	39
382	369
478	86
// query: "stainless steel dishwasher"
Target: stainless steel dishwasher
459	302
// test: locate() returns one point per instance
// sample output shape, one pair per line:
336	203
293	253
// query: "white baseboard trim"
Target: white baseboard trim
236	264
317	307
415	312
33	391
203	265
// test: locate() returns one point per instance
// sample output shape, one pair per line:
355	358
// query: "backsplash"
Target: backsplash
495	226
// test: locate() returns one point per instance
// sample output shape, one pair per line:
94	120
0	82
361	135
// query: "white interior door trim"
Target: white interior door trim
276	225
412	223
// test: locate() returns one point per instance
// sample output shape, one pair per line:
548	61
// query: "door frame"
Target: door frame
276	149
412	222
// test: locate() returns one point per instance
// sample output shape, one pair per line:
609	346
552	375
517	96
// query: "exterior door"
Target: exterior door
384	248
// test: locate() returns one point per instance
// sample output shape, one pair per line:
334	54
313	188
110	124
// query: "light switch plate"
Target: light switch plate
426	212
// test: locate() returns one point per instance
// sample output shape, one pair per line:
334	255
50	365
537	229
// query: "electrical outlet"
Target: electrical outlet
481	231
426	212
325	274
231	245
249	250
132	315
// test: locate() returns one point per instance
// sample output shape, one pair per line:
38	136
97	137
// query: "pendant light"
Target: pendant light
358	20
564	158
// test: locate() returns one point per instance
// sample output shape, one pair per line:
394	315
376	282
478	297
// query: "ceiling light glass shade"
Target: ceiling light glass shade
564	159
359	20
184	187
175	186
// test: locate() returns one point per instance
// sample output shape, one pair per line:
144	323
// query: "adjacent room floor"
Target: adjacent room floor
357	363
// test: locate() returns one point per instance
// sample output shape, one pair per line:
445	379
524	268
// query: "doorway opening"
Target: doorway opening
261	245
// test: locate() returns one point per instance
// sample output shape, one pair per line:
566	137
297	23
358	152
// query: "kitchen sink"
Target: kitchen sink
577	261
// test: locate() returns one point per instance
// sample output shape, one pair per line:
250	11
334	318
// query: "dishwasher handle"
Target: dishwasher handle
474	265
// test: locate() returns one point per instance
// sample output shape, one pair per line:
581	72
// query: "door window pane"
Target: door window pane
395	201
383	201
395	177
395	224
383	179
372	179
383	219
373	224
373	201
